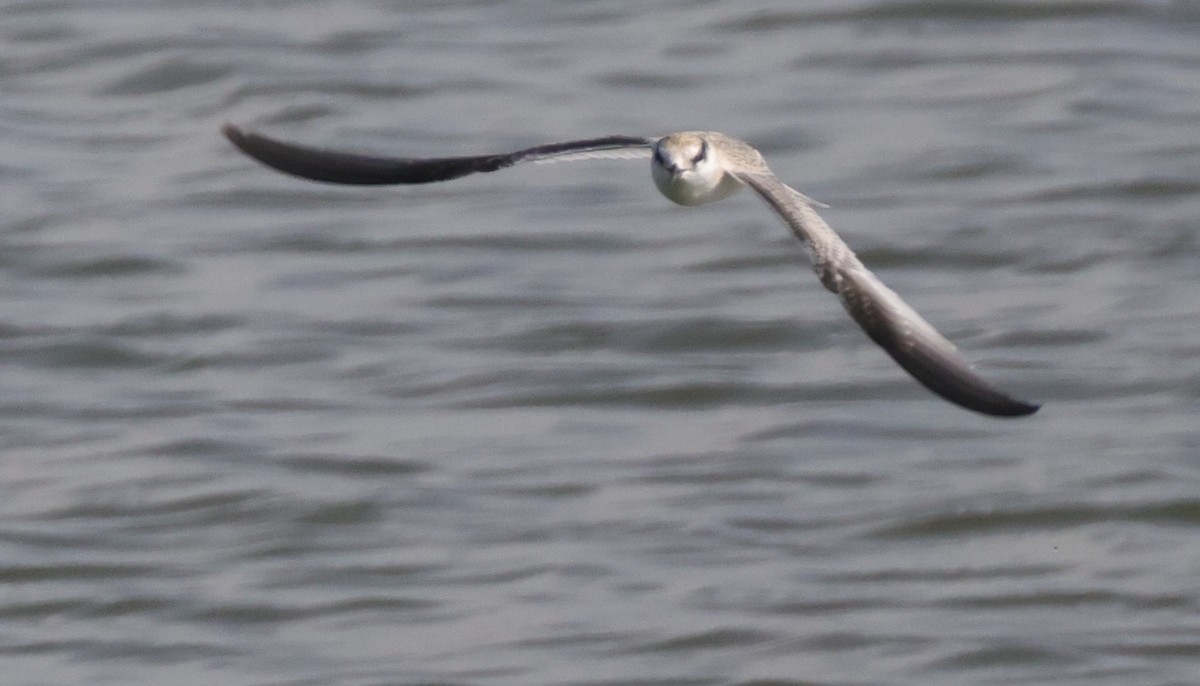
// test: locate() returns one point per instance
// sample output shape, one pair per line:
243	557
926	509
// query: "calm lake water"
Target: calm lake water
543	427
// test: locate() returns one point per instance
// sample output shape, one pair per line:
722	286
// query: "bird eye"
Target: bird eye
701	154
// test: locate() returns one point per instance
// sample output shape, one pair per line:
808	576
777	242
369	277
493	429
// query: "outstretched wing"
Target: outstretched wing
368	170
889	321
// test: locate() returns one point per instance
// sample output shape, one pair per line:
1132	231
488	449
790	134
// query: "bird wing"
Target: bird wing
889	321
369	170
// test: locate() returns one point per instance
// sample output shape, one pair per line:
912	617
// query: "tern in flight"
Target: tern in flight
694	168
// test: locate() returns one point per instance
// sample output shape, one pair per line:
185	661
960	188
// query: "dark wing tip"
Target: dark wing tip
232	132
239	138
1019	408
921	350
302	161
950	377
354	169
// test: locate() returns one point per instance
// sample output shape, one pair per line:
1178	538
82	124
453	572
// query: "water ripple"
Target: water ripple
542	427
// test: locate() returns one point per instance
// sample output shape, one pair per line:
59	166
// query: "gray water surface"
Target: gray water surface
542	427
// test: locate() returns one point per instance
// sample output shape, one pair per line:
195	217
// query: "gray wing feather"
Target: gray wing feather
331	166
910	340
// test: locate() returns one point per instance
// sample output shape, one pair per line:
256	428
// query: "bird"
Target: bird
693	168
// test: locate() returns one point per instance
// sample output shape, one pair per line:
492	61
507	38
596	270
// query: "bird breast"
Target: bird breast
689	187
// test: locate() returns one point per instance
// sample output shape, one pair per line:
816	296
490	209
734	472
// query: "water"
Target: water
543	427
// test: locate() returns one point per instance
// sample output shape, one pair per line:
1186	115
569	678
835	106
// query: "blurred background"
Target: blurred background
542	427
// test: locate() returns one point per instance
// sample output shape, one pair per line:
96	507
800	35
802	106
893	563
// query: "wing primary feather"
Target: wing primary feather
891	323
332	166
918	348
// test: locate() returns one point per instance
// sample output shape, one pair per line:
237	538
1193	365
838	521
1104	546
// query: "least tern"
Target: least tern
694	168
